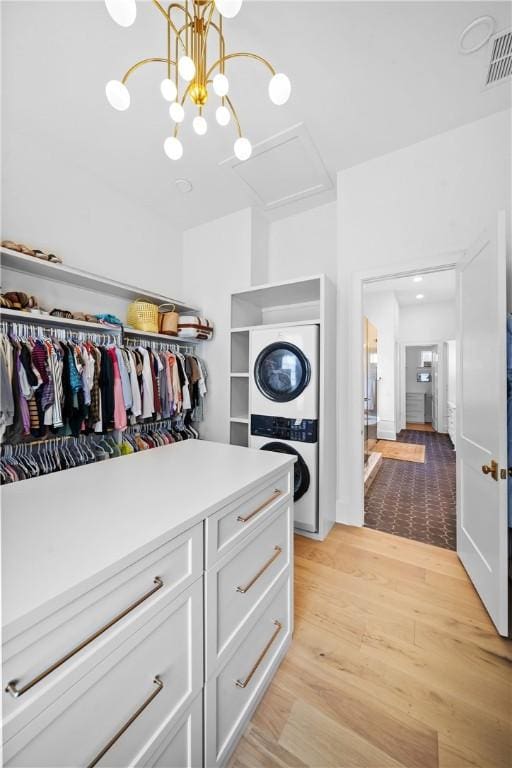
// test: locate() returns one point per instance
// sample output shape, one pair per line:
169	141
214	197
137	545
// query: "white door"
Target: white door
481	421
435	388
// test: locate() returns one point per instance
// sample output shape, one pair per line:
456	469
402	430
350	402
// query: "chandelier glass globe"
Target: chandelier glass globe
243	148
173	148
223	115
279	89
228	8
199	125
187	68
168	89
118	95
221	85
177	112
123	12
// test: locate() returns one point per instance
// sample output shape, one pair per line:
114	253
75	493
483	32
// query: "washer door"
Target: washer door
282	372
301	477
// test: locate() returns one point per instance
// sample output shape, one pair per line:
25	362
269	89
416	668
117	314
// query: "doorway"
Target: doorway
410	460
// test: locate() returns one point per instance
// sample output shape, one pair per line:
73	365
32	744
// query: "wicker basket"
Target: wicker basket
143	316
168	320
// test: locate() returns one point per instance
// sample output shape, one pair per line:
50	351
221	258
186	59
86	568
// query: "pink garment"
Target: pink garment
120	421
169	359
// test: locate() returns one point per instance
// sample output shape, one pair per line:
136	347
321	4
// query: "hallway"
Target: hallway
394	664
413	500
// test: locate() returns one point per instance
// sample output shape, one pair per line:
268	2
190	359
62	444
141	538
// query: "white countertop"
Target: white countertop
64	529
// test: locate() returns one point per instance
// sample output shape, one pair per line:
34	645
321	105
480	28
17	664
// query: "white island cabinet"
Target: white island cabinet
146	604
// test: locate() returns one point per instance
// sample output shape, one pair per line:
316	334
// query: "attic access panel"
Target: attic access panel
285	168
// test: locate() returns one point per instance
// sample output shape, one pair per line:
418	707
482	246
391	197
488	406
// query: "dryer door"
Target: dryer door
300	470
282	372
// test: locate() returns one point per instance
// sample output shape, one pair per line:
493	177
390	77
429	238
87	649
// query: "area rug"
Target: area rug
392	449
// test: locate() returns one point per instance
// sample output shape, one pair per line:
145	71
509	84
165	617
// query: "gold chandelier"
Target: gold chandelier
191	25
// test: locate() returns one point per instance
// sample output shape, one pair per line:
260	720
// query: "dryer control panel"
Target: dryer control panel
300	430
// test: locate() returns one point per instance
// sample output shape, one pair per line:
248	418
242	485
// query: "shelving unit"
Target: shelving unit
309	301
29	265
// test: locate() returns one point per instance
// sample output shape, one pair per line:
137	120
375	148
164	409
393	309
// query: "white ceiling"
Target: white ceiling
435	286
368	78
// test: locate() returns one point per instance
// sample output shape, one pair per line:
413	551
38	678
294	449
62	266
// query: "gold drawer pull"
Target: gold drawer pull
125	727
272	498
17	692
277	552
245	683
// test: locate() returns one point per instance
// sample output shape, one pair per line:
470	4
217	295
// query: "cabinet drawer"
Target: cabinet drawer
234	521
154	675
181	746
236	585
235	691
130	593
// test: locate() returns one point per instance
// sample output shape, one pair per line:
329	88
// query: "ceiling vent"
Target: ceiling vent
500	64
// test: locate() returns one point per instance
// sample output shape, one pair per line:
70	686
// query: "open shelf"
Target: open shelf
240	352
237	420
32	318
133	332
239	375
29	265
287	303
291	324
239	434
240	399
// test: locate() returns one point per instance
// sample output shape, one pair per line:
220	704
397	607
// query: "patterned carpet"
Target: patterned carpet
416	501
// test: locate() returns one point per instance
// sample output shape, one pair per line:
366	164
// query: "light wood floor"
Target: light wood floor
426	427
394	663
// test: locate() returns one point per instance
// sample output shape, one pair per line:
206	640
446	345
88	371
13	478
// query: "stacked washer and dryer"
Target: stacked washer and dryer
284	382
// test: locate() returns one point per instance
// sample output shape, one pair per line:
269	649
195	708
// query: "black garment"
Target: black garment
14	431
106	383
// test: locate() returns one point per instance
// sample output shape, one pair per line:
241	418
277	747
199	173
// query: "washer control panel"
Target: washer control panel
300	430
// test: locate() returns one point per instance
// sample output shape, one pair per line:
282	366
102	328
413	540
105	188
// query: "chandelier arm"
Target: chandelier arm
177	126
241	55
178	32
141	63
235	116
208	24
164	13
221	40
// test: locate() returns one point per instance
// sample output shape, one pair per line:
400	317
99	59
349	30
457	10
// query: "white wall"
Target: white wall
381	308
217	261
50	201
403	211
304	244
432	322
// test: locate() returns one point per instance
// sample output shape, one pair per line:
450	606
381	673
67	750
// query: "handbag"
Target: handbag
195	327
168	320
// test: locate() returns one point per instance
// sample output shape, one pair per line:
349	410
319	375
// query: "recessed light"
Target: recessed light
417	279
420	296
184	185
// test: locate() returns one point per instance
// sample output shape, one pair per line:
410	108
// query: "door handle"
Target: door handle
491	470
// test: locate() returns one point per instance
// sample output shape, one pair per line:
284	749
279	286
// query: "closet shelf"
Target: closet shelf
247	328
19	262
238	420
30	318
236	375
160	337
